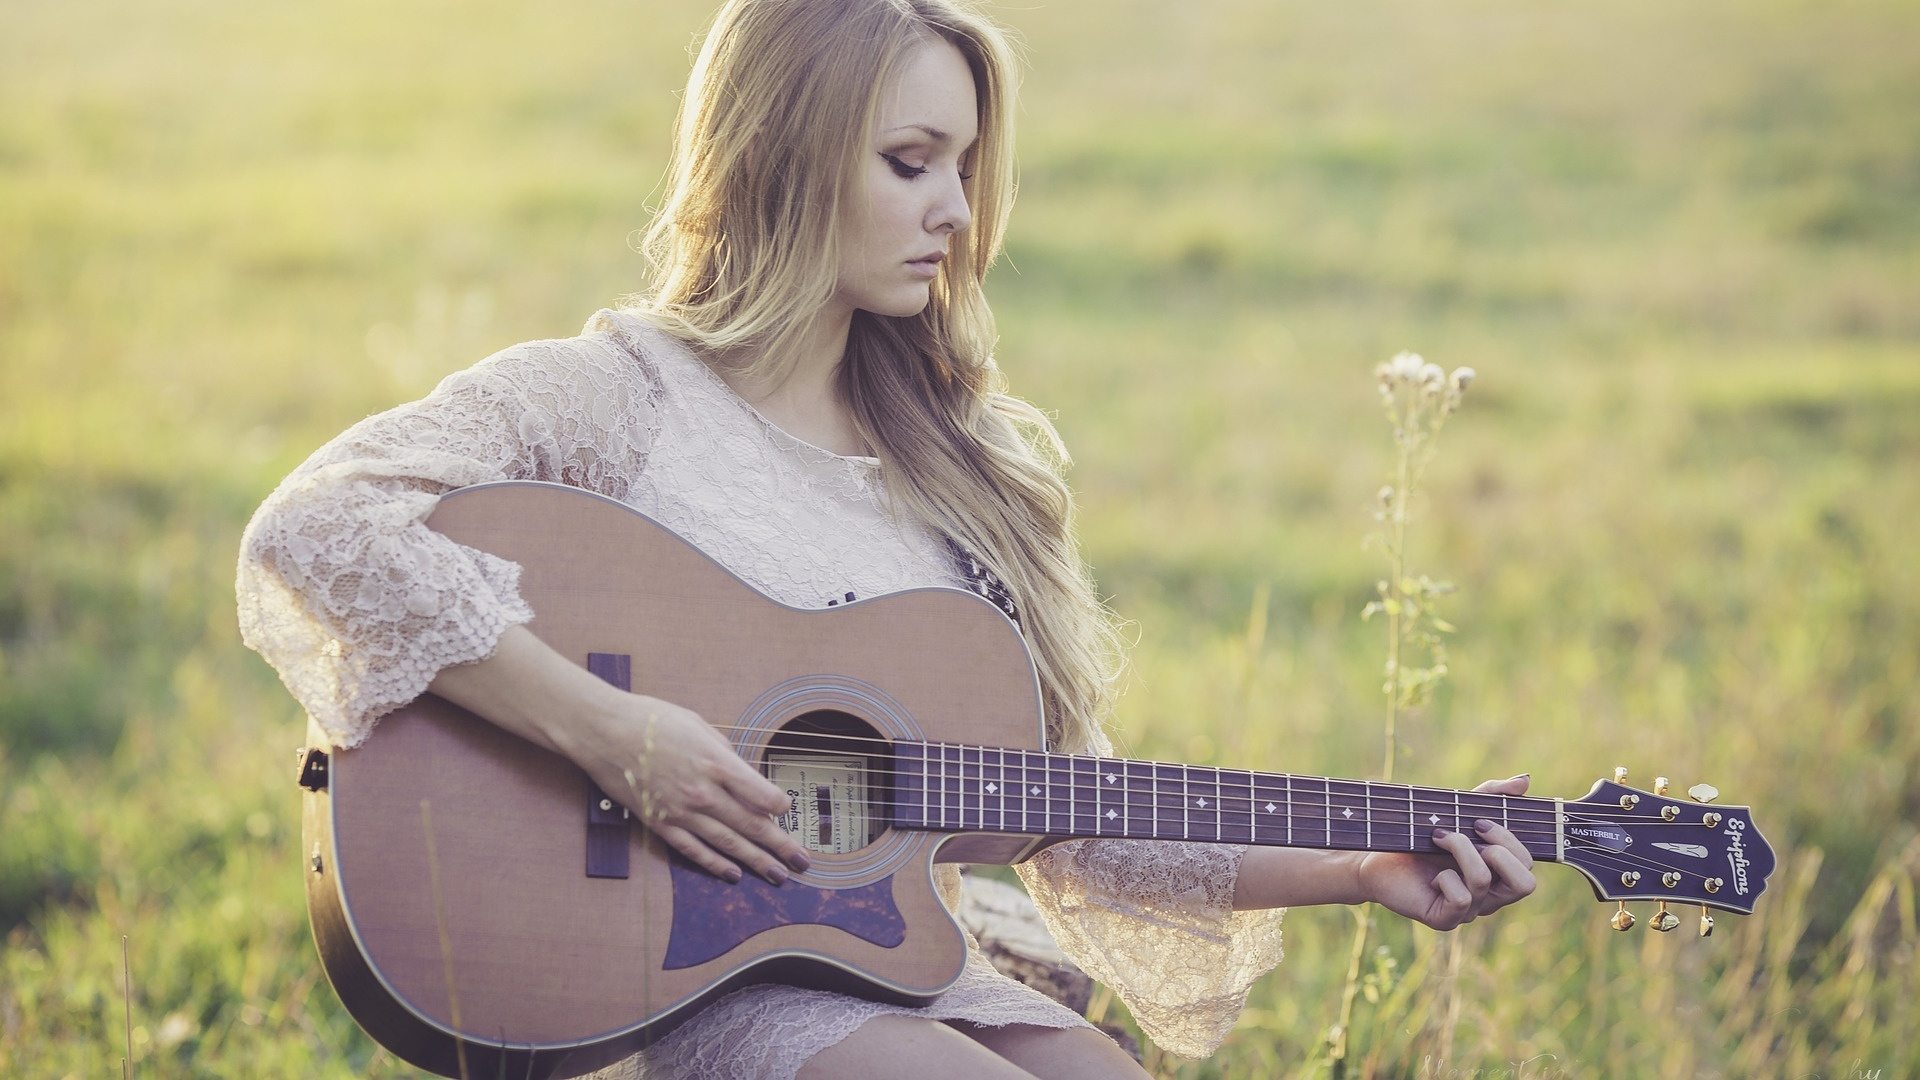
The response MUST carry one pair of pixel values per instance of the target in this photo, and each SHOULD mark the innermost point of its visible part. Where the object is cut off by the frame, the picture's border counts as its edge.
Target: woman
(804, 390)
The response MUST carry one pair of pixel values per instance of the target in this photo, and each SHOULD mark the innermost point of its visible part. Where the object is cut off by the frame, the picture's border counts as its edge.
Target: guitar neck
(947, 787)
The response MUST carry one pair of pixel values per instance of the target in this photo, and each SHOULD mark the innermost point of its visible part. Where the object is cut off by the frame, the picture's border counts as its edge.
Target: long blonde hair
(743, 254)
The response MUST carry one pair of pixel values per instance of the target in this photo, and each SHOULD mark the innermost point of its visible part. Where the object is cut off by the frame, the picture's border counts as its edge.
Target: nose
(950, 212)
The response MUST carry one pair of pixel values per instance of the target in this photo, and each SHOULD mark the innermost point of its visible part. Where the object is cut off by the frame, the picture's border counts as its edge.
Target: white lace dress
(358, 605)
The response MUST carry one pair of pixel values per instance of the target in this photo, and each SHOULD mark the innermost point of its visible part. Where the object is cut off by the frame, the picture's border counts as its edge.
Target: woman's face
(913, 168)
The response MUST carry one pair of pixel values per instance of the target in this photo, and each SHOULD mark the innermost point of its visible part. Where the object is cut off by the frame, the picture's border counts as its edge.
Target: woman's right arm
(660, 760)
(360, 607)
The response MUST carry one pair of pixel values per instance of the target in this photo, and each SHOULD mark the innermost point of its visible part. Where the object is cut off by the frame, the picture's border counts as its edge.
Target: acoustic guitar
(483, 910)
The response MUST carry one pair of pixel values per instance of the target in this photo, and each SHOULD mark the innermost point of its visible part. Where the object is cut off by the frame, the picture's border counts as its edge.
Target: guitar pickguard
(711, 916)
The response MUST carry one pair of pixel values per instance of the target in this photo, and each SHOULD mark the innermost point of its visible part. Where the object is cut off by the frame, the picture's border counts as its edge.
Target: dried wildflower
(1418, 397)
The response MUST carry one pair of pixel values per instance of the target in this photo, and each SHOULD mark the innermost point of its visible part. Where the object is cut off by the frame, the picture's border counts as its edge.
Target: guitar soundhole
(839, 773)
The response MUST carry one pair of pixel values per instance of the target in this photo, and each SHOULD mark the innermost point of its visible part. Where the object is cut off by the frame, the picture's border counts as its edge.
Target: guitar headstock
(1643, 845)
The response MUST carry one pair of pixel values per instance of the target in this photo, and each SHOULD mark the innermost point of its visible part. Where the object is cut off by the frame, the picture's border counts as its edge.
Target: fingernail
(732, 874)
(776, 875)
(1521, 776)
(1439, 835)
(1483, 825)
(798, 861)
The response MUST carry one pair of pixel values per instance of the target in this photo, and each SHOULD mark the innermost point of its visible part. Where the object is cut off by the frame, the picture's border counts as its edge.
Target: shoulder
(615, 357)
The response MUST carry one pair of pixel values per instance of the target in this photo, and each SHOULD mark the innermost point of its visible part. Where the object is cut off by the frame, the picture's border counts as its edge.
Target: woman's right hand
(686, 783)
(661, 761)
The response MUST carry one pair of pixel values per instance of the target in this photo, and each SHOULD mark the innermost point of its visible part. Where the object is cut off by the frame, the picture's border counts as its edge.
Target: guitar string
(1550, 833)
(1618, 859)
(1377, 806)
(1546, 836)
(1441, 796)
(1078, 784)
(1307, 825)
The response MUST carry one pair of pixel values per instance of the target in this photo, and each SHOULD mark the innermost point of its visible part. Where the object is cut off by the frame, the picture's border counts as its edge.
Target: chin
(902, 305)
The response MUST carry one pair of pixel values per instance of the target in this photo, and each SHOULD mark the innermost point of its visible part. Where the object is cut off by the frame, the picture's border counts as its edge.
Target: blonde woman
(805, 390)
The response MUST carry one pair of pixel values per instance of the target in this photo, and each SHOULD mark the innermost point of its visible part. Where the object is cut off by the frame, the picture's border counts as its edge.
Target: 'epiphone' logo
(1737, 854)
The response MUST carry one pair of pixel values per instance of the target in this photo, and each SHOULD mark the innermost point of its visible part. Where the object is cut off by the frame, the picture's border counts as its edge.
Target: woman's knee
(893, 1045)
(1078, 1053)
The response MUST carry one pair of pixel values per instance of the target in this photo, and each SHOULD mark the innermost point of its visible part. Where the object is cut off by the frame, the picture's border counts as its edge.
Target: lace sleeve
(1154, 921)
(356, 603)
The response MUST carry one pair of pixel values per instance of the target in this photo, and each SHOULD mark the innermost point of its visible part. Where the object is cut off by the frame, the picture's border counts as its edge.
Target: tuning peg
(1706, 921)
(1703, 793)
(1619, 774)
(1660, 785)
(1664, 920)
(1622, 919)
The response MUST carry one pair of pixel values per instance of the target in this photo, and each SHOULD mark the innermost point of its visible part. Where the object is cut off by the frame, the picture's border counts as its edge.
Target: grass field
(1678, 242)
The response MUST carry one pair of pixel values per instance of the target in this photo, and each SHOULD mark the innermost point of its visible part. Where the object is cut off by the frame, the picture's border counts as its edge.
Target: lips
(929, 260)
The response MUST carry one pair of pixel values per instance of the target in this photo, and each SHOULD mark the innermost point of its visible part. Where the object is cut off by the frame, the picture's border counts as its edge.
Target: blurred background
(1678, 243)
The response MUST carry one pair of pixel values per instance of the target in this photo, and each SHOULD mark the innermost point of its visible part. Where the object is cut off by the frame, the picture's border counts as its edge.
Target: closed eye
(911, 172)
(906, 171)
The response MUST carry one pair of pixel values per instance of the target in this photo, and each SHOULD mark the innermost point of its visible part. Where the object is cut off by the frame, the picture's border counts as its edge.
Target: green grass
(1678, 243)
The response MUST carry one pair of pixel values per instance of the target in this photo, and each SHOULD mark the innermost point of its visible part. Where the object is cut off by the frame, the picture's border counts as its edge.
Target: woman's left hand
(1459, 883)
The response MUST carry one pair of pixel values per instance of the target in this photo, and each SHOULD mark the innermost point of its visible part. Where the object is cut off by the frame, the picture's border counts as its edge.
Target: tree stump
(1006, 924)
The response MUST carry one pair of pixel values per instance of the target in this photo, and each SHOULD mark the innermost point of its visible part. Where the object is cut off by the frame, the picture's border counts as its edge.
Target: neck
(946, 787)
(804, 377)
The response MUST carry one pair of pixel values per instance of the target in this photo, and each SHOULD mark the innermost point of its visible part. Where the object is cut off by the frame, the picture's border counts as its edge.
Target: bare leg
(892, 1045)
(1058, 1053)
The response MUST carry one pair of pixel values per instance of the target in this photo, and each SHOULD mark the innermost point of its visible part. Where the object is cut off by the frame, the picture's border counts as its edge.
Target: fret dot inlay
(1433, 819)
(1200, 802)
(1111, 778)
(1111, 814)
(1033, 790)
(991, 788)
(1270, 808)
(1347, 813)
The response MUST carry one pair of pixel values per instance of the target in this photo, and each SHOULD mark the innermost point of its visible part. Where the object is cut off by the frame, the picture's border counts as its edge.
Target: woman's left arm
(1442, 889)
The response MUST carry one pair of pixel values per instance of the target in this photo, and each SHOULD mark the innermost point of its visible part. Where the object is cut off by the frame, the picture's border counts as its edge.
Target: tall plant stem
(1362, 913)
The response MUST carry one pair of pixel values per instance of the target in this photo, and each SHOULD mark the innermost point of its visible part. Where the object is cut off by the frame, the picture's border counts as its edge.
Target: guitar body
(487, 944)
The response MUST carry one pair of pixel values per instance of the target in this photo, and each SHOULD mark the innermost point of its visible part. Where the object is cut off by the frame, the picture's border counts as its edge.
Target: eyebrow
(937, 135)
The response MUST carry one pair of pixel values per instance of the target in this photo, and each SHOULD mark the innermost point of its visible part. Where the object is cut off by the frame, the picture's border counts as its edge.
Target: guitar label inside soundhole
(831, 804)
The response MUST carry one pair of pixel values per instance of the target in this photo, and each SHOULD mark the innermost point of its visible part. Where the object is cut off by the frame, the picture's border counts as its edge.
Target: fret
(1084, 791)
(1271, 808)
(936, 768)
(1393, 803)
(1366, 796)
(985, 789)
(1203, 803)
(949, 787)
(1478, 804)
(1236, 807)
(1040, 788)
(1253, 815)
(1186, 821)
(1103, 810)
(1167, 808)
(1059, 793)
(1539, 823)
(1019, 782)
(926, 784)
(1140, 812)
(1153, 793)
(900, 814)
(969, 787)
(1113, 797)
(1033, 786)
(1346, 811)
(997, 788)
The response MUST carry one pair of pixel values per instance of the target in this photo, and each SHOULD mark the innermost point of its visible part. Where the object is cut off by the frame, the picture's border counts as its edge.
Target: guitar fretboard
(947, 787)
